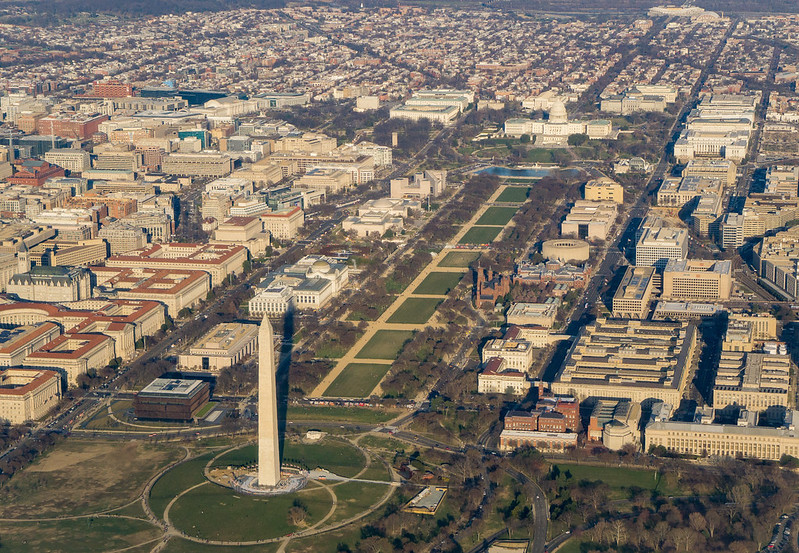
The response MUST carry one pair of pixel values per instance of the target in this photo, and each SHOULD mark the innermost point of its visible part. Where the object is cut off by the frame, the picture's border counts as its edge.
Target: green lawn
(174, 481)
(178, 545)
(218, 513)
(618, 478)
(87, 535)
(415, 311)
(385, 344)
(498, 216)
(357, 380)
(480, 235)
(332, 454)
(571, 546)
(206, 409)
(458, 259)
(515, 194)
(354, 498)
(343, 414)
(439, 284)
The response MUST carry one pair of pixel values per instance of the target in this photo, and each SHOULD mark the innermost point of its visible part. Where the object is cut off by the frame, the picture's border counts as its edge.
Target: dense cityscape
(330, 278)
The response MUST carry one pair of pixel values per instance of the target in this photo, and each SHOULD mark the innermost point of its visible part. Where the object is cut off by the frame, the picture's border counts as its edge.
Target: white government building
(308, 284)
(558, 128)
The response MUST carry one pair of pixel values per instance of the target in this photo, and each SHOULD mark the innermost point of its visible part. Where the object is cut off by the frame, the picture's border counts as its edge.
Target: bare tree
(619, 532)
(697, 522)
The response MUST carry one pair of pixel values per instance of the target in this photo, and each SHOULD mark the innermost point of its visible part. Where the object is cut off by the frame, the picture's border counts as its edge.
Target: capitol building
(558, 128)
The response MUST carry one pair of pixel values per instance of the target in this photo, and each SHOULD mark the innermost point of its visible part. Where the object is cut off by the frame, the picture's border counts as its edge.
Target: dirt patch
(80, 477)
(54, 463)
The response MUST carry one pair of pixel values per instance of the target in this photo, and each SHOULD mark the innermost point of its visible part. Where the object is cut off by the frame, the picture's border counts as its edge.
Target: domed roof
(320, 266)
(557, 113)
(382, 202)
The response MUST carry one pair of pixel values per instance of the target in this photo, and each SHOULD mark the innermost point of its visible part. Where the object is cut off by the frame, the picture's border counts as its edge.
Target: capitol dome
(557, 114)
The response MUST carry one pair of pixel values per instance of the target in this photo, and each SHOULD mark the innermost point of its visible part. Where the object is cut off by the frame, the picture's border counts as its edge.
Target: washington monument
(268, 439)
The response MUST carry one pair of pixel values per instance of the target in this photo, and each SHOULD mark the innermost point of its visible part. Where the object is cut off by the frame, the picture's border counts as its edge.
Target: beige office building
(591, 220)
(73, 354)
(722, 169)
(631, 300)
(27, 395)
(725, 440)
(74, 161)
(697, 279)
(243, 231)
(498, 378)
(604, 190)
(218, 260)
(627, 358)
(223, 346)
(755, 381)
(17, 343)
(776, 259)
(518, 354)
(537, 314)
(175, 288)
(197, 164)
(284, 224)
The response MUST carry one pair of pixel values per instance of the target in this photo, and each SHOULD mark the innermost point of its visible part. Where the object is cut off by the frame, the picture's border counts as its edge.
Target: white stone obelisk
(268, 439)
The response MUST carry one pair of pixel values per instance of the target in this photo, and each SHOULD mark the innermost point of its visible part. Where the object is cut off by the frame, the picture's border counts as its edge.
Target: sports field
(357, 380)
(385, 344)
(415, 311)
(458, 259)
(439, 284)
(514, 194)
(480, 235)
(497, 216)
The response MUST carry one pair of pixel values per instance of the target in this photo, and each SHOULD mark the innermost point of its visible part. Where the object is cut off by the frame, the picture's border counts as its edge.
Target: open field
(355, 497)
(174, 481)
(458, 259)
(619, 479)
(357, 380)
(385, 344)
(178, 545)
(218, 513)
(81, 476)
(332, 454)
(349, 534)
(515, 194)
(415, 311)
(348, 414)
(571, 546)
(480, 235)
(83, 535)
(439, 284)
(497, 216)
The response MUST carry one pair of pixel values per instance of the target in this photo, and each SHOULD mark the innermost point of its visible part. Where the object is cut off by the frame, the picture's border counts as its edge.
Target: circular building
(565, 249)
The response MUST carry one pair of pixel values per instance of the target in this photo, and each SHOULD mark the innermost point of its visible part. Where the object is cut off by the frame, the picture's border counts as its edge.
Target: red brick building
(71, 125)
(111, 89)
(489, 287)
(117, 207)
(34, 172)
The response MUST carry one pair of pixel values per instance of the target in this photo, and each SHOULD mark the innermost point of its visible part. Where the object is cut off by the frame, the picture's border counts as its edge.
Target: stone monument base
(289, 483)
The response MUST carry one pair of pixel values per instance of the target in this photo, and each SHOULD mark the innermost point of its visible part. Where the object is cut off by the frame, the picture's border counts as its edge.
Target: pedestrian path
(382, 322)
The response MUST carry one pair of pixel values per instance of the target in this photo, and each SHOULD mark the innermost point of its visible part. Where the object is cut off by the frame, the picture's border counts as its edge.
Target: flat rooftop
(172, 387)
